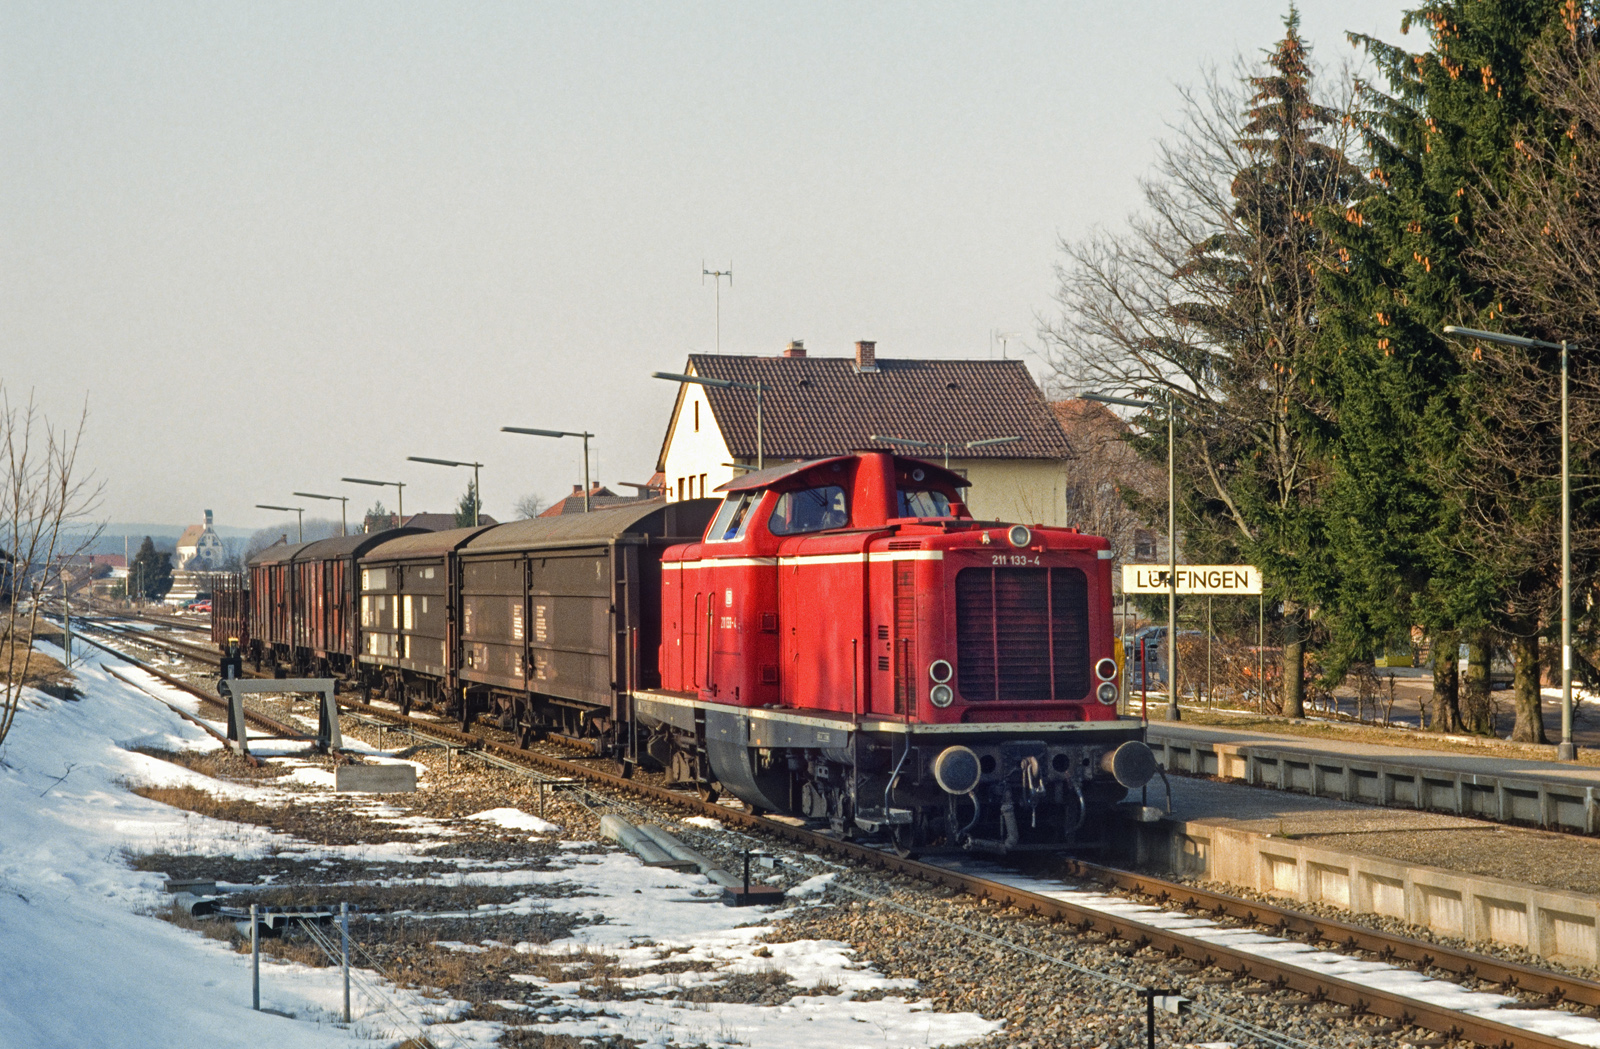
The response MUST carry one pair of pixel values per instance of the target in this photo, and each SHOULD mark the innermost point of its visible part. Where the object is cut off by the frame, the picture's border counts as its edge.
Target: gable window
(696, 416)
(809, 510)
(732, 516)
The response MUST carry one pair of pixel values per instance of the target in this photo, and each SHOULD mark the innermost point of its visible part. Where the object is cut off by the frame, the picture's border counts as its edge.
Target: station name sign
(1192, 579)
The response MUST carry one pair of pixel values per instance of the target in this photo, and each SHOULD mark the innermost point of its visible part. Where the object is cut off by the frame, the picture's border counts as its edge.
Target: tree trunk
(1294, 663)
(1476, 714)
(1525, 683)
(1446, 683)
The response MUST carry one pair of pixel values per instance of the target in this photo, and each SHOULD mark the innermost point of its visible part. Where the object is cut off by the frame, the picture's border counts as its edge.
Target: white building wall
(693, 466)
(1027, 491)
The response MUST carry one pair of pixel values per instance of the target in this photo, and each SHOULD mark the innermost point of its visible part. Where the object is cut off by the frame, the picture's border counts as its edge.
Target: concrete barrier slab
(375, 779)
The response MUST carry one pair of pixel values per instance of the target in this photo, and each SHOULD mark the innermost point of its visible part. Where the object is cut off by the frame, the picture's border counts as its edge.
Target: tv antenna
(717, 275)
(1003, 337)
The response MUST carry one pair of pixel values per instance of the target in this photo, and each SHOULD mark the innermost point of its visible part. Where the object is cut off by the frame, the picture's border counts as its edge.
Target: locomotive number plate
(1015, 560)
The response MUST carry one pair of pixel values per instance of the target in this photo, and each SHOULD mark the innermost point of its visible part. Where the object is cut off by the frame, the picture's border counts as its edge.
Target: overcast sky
(276, 243)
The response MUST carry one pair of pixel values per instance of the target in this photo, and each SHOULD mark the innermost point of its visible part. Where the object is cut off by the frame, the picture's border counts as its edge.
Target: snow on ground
(827, 1015)
(74, 916)
(516, 819)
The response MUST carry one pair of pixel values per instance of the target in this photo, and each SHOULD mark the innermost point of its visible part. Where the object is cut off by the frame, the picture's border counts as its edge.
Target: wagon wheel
(708, 792)
(624, 767)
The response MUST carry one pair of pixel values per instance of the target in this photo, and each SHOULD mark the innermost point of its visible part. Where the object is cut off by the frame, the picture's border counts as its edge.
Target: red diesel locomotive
(843, 642)
(847, 643)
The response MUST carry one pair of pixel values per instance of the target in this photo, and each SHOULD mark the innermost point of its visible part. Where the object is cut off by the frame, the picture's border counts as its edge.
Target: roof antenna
(717, 275)
(1004, 337)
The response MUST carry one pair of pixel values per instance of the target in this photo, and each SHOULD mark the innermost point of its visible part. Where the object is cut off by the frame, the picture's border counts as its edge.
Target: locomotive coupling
(1132, 764)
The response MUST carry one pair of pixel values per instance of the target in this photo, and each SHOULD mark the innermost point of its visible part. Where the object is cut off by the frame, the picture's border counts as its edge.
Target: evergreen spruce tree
(1395, 398)
(150, 575)
(469, 507)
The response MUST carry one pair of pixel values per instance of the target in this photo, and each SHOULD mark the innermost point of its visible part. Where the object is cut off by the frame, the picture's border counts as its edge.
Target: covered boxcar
(408, 626)
(560, 616)
(302, 604)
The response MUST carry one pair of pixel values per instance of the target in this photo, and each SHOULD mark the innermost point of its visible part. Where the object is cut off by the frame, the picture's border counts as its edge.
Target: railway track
(1201, 954)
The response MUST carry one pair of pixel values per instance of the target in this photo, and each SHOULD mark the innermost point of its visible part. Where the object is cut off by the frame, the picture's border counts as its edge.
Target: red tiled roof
(819, 406)
(600, 498)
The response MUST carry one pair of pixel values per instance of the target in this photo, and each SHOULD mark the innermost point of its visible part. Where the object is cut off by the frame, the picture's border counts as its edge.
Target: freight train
(836, 639)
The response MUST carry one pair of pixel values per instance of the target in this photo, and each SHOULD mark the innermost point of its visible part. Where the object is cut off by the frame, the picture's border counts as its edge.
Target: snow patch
(515, 819)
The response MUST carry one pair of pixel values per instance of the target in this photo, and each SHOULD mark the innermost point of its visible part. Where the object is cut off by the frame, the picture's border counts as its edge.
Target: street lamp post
(1567, 750)
(1173, 714)
(477, 491)
(726, 384)
(399, 486)
(300, 519)
(561, 433)
(344, 526)
(985, 443)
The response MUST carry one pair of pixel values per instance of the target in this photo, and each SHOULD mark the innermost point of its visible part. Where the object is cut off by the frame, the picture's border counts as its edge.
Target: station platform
(1455, 876)
(1531, 791)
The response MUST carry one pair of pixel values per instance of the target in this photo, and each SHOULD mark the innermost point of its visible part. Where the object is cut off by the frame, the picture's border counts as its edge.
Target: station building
(820, 406)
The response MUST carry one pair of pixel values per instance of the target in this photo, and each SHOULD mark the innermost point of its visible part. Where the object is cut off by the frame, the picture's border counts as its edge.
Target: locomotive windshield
(732, 516)
(809, 510)
(921, 502)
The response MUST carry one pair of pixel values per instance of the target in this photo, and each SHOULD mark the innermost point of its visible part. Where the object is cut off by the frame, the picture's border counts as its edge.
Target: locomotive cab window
(809, 510)
(922, 502)
(732, 516)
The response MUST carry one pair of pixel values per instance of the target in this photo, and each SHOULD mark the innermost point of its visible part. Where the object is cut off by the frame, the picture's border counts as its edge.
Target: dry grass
(193, 799)
(216, 764)
(43, 673)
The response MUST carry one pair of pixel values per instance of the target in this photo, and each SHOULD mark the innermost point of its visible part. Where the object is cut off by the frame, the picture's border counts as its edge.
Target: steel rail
(277, 727)
(1558, 987)
(1318, 987)
(1359, 998)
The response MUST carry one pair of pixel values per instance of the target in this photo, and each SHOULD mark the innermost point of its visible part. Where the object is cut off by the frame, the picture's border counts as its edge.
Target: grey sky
(280, 243)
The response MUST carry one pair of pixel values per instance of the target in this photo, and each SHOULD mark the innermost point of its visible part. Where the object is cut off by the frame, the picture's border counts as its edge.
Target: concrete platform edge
(1550, 923)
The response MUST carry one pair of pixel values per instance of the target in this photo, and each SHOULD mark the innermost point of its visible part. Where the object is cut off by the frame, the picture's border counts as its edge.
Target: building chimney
(866, 356)
(577, 489)
(796, 348)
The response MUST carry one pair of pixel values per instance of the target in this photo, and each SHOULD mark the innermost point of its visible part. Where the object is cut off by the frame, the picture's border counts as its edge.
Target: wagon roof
(351, 545)
(686, 519)
(279, 552)
(422, 544)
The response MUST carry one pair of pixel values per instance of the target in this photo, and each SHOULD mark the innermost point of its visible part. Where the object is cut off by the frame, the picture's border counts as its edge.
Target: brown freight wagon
(541, 625)
(560, 616)
(230, 611)
(406, 618)
(302, 603)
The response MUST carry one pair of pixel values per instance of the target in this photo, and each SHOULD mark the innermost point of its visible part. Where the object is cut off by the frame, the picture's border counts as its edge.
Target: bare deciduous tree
(1207, 304)
(530, 506)
(42, 498)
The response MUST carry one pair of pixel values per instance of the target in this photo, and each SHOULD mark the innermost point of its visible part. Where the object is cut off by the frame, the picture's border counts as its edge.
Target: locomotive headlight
(1106, 669)
(1019, 535)
(941, 696)
(940, 670)
(1106, 693)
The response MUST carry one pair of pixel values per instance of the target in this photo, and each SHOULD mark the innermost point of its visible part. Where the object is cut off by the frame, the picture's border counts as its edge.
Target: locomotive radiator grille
(1022, 634)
